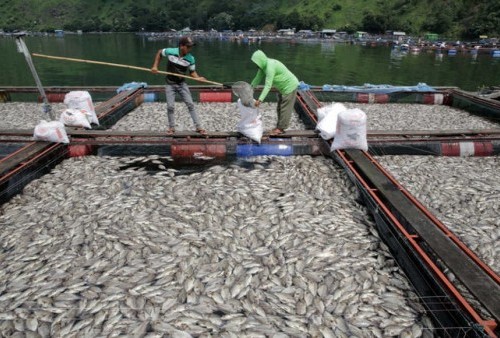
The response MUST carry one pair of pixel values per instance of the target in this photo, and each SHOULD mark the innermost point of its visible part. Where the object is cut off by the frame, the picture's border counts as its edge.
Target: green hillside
(459, 18)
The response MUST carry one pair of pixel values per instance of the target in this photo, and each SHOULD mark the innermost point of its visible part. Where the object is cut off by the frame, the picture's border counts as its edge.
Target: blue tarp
(303, 86)
(132, 86)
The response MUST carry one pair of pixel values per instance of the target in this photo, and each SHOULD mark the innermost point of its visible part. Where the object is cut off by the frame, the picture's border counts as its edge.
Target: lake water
(315, 63)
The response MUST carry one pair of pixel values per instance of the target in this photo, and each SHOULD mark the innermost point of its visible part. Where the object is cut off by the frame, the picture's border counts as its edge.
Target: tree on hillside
(221, 21)
(374, 23)
(469, 17)
(437, 23)
(489, 23)
(299, 21)
(291, 20)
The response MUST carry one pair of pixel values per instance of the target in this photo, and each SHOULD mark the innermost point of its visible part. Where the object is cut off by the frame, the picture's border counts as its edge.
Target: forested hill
(457, 18)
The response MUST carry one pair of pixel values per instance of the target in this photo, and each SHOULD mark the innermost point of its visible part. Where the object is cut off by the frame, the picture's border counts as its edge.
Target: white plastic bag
(75, 118)
(351, 130)
(250, 123)
(52, 131)
(327, 119)
(323, 111)
(83, 101)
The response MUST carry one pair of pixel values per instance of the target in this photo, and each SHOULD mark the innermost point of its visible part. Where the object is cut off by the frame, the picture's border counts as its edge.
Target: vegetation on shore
(453, 18)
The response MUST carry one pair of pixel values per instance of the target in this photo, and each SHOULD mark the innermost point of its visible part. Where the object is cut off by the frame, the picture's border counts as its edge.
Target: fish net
(245, 92)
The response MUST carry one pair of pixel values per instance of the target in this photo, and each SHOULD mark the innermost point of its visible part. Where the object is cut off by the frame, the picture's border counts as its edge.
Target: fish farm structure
(264, 287)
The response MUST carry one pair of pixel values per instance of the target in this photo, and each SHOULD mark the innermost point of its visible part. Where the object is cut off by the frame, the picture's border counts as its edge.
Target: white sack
(327, 119)
(52, 131)
(334, 107)
(75, 118)
(351, 130)
(83, 101)
(250, 123)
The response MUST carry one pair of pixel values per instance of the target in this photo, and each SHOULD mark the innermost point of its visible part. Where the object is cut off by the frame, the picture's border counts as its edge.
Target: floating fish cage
(438, 265)
(396, 97)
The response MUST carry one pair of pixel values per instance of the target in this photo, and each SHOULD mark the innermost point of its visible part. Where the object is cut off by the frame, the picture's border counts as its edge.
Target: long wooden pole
(123, 66)
(24, 49)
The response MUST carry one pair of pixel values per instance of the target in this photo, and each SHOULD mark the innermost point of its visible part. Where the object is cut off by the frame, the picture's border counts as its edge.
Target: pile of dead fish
(264, 247)
(464, 194)
(225, 116)
(267, 247)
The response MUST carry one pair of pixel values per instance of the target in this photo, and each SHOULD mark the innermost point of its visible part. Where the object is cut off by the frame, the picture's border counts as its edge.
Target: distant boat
(59, 33)
(415, 49)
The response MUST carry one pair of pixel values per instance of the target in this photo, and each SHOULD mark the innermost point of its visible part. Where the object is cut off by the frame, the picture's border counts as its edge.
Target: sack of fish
(52, 131)
(83, 101)
(347, 127)
(327, 119)
(351, 130)
(250, 123)
(75, 118)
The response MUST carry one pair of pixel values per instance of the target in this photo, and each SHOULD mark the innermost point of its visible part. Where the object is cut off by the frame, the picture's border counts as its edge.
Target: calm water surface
(314, 63)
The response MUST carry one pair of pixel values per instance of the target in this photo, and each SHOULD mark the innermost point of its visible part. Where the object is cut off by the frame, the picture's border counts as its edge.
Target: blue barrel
(150, 97)
(452, 52)
(495, 53)
(246, 150)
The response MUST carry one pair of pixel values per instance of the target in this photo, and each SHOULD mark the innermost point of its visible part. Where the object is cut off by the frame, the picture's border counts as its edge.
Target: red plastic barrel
(372, 98)
(215, 97)
(483, 149)
(433, 98)
(467, 149)
(198, 151)
(450, 149)
(53, 97)
(78, 150)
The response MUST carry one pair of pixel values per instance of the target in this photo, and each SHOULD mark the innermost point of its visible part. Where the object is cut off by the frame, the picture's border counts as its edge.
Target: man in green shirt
(179, 61)
(276, 74)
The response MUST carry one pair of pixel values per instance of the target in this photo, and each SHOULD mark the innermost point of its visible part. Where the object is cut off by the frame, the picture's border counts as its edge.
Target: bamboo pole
(123, 66)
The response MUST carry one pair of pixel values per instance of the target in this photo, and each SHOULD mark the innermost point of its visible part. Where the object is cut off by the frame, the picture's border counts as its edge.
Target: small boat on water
(415, 49)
